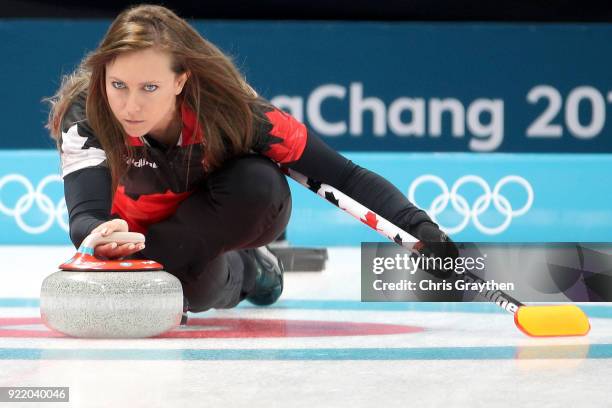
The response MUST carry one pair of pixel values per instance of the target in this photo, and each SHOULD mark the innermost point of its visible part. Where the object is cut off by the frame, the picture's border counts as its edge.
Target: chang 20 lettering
(551, 116)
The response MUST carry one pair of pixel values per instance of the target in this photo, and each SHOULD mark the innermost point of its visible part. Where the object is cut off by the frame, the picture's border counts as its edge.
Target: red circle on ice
(229, 328)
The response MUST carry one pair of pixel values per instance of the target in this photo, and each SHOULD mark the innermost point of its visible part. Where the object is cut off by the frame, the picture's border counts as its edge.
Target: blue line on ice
(595, 351)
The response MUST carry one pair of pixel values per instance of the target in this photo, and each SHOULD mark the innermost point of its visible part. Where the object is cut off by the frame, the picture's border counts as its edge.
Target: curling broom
(534, 320)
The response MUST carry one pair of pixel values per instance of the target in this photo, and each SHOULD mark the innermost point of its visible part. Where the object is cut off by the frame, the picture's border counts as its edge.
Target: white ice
(542, 372)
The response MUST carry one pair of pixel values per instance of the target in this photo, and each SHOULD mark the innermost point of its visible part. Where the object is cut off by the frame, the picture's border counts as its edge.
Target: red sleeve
(283, 138)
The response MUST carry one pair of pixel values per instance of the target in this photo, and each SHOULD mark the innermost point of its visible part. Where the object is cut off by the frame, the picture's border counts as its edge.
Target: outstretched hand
(434, 243)
(113, 250)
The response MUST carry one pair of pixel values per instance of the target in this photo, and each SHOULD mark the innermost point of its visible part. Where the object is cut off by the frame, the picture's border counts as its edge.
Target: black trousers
(244, 204)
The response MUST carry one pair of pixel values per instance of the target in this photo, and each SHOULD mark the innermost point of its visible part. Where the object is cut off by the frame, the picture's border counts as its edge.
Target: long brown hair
(223, 102)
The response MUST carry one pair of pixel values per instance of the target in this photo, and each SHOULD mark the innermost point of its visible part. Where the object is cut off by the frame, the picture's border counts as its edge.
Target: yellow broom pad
(545, 321)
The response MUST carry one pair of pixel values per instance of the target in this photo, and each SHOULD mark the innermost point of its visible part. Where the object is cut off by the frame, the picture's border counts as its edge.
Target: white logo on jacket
(141, 163)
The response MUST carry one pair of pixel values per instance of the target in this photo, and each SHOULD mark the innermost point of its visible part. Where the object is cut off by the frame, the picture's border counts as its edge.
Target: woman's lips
(133, 122)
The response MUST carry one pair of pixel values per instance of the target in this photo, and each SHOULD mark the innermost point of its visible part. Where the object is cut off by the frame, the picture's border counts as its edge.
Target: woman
(159, 133)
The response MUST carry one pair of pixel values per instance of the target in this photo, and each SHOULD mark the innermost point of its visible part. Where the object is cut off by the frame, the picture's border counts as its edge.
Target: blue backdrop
(481, 91)
(474, 197)
(370, 86)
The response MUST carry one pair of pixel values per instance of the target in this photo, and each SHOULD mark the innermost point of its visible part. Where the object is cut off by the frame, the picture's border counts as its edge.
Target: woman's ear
(181, 80)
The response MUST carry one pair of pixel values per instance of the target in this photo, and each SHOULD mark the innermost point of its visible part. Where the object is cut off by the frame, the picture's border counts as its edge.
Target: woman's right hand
(113, 250)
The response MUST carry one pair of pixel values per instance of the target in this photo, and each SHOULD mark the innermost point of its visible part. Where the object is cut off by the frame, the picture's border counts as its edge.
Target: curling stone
(93, 298)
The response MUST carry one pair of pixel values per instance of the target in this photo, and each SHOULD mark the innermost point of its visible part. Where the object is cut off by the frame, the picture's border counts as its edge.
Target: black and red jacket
(160, 177)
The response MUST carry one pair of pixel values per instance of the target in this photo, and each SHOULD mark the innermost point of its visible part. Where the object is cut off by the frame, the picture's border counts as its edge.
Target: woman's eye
(150, 87)
(118, 85)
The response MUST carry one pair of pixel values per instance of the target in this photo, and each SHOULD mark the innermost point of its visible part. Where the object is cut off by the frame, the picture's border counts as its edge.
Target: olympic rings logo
(460, 204)
(35, 197)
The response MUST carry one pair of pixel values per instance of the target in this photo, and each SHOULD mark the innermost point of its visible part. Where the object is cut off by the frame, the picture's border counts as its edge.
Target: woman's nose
(132, 104)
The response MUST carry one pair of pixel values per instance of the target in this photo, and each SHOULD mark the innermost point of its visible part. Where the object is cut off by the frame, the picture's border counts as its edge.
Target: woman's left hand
(433, 242)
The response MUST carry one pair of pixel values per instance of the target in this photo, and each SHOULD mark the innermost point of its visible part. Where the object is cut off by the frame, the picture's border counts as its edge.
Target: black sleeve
(88, 199)
(324, 164)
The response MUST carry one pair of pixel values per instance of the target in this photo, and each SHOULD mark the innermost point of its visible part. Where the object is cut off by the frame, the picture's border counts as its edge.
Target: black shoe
(269, 277)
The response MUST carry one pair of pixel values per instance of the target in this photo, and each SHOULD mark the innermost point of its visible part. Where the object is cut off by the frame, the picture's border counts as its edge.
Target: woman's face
(142, 90)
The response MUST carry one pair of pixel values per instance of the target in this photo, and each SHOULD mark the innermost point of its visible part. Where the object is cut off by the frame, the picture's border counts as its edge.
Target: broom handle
(388, 230)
